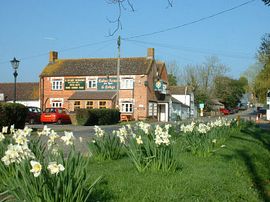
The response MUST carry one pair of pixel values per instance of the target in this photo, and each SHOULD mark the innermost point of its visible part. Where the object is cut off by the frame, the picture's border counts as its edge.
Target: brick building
(92, 83)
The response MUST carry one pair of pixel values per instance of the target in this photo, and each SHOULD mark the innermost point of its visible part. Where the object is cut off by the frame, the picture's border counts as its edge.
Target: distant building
(26, 93)
(185, 95)
(92, 83)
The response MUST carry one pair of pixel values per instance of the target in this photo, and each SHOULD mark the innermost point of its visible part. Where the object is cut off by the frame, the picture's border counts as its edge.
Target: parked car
(55, 115)
(33, 115)
(224, 111)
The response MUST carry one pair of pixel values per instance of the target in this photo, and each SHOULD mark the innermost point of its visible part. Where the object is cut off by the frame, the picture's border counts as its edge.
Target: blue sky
(79, 29)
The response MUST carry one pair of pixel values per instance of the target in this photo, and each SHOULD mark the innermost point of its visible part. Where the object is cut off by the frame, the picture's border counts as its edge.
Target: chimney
(53, 56)
(151, 53)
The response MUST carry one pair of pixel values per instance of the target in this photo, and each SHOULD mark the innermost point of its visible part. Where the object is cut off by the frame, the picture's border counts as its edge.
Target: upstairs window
(126, 83)
(57, 84)
(92, 83)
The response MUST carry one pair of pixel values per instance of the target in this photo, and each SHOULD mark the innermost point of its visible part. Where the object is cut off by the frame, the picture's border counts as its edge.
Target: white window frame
(127, 83)
(57, 102)
(127, 107)
(152, 109)
(57, 84)
(93, 83)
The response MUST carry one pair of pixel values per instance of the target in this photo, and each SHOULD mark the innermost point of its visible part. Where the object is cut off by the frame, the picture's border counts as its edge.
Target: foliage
(30, 171)
(90, 117)
(12, 114)
(229, 91)
(172, 80)
(262, 81)
(105, 146)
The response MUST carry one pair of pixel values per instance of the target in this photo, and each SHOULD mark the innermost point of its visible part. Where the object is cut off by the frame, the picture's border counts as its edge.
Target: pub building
(92, 83)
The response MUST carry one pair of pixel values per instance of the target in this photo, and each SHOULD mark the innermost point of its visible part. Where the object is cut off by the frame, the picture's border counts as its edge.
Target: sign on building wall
(74, 84)
(160, 86)
(107, 83)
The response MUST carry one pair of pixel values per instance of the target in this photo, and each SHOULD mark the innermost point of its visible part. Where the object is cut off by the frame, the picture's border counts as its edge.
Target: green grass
(238, 172)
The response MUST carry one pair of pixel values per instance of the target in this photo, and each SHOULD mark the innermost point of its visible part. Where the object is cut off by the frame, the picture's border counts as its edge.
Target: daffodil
(5, 129)
(36, 168)
(55, 168)
(68, 138)
(139, 140)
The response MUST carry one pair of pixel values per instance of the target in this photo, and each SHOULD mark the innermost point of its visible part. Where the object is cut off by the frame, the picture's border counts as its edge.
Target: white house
(185, 95)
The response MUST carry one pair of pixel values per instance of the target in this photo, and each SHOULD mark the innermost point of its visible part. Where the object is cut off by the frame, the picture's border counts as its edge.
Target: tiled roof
(97, 67)
(179, 90)
(92, 95)
(24, 91)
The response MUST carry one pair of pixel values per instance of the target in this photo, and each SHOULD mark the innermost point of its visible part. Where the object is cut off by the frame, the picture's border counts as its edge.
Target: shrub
(90, 117)
(12, 114)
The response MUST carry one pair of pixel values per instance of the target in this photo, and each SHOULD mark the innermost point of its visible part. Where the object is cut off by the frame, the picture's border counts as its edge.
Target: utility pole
(118, 72)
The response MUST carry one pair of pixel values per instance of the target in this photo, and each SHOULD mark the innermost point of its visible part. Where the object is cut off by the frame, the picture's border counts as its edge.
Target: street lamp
(15, 66)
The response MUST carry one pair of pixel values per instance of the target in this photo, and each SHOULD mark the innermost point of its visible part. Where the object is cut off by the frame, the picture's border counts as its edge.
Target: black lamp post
(15, 66)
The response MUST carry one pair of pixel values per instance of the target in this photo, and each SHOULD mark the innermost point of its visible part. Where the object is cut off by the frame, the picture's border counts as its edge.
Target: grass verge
(237, 172)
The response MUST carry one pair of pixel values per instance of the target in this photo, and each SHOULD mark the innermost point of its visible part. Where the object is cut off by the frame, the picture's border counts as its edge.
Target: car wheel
(59, 121)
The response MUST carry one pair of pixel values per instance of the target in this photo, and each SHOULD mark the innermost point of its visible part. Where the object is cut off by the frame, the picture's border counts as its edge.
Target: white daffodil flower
(36, 168)
(5, 129)
(55, 168)
(68, 138)
(139, 140)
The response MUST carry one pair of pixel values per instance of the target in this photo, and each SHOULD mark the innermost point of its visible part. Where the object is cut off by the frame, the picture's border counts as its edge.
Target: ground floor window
(89, 105)
(152, 109)
(102, 104)
(57, 104)
(127, 107)
(77, 105)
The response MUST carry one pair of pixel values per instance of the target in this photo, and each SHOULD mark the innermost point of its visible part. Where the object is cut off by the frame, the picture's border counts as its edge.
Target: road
(85, 133)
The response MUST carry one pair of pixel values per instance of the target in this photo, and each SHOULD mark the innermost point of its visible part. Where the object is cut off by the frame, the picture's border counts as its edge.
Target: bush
(13, 113)
(90, 117)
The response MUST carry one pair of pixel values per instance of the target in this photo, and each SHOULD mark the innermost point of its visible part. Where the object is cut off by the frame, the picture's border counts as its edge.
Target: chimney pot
(150, 53)
(53, 56)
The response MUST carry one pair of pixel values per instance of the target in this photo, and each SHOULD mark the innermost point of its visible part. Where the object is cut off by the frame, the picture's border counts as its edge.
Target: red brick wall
(143, 92)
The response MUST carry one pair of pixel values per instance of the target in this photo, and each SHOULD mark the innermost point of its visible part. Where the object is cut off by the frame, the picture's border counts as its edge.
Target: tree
(172, 80)
(172, 68)
(229, 91)
(266, 2)
(262, 80)
(123, 5)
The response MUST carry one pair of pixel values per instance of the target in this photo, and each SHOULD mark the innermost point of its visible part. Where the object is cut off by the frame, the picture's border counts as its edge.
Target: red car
(55, 115)
(224, 111)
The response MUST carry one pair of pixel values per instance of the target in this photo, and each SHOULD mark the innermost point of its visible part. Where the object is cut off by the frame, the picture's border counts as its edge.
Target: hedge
(90, 117)
(12, 113)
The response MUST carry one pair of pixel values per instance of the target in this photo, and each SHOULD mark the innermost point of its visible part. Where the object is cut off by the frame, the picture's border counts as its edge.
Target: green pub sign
(107, 83)
(74, 84)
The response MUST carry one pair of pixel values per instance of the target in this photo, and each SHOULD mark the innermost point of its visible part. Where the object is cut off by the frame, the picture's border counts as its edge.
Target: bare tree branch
(121, 6)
